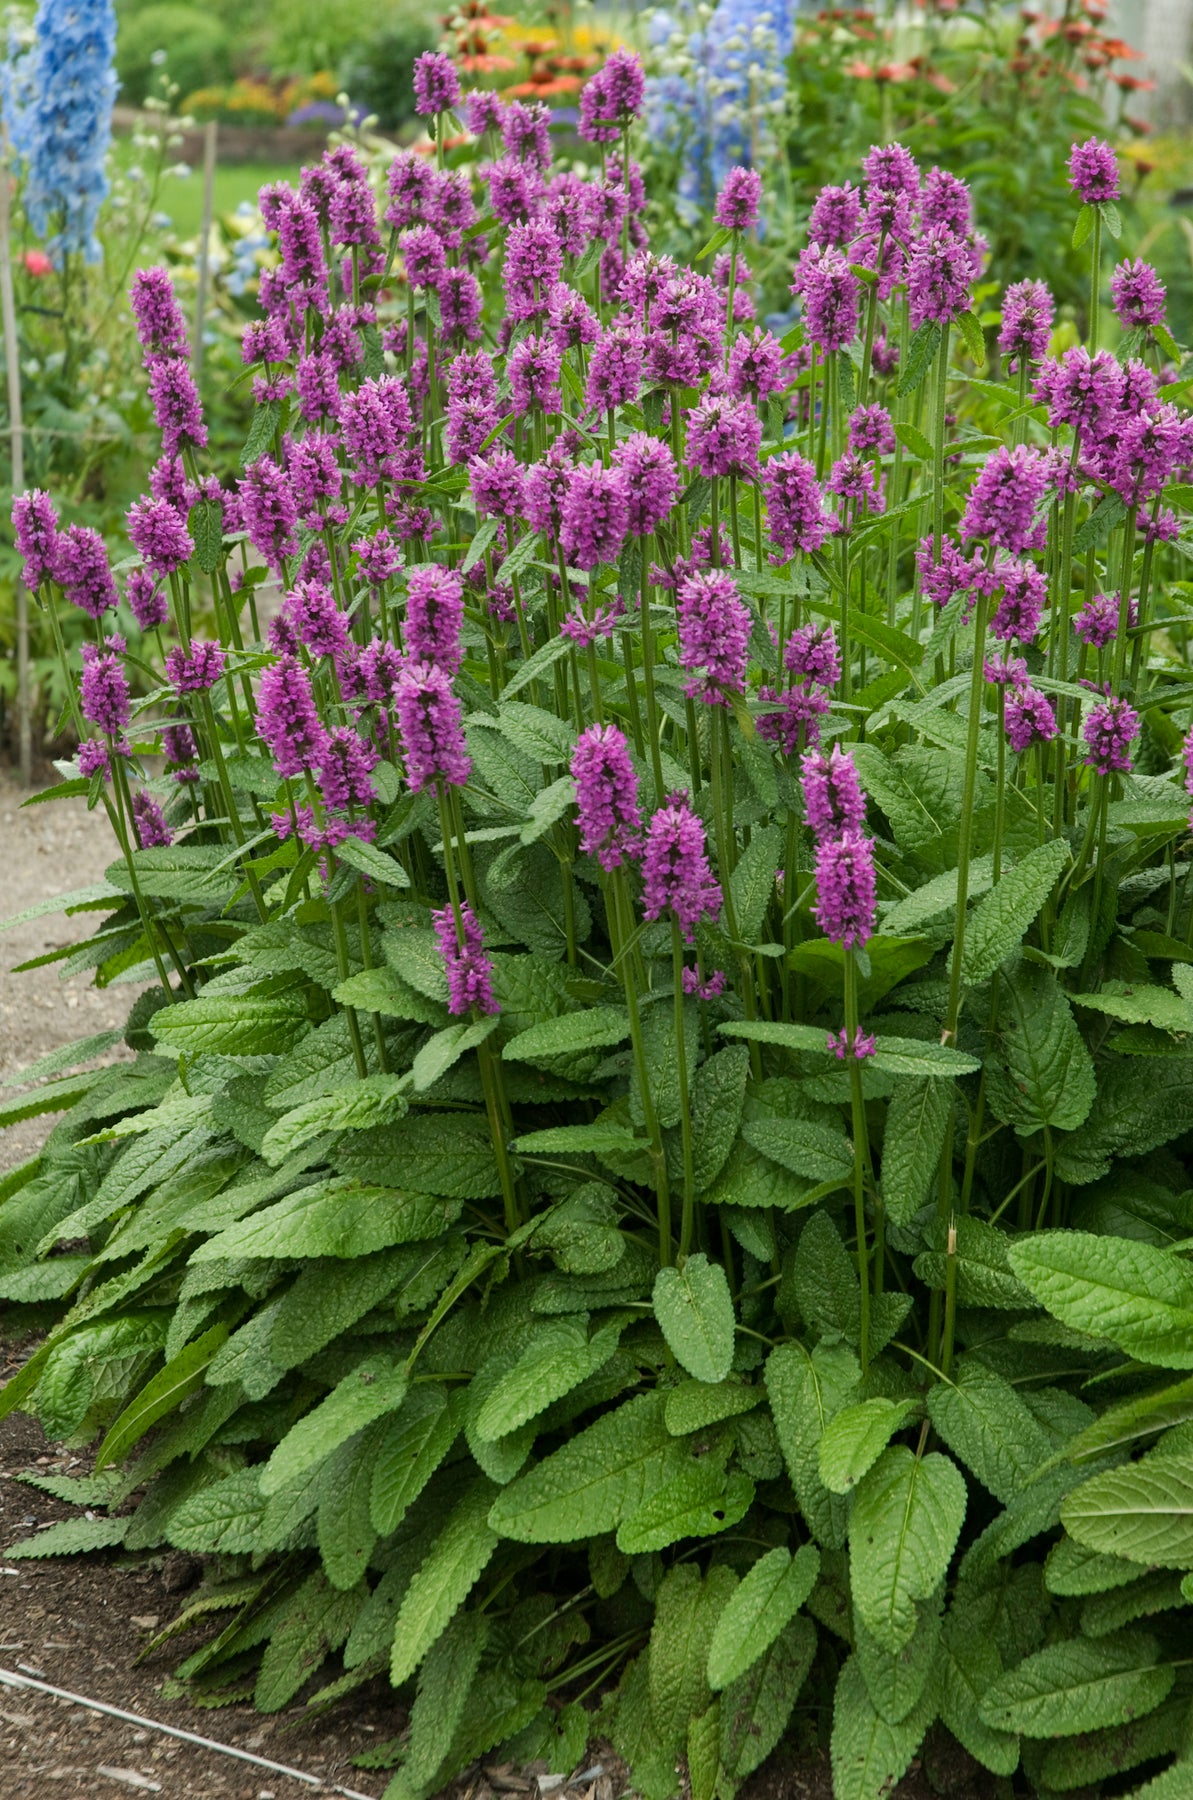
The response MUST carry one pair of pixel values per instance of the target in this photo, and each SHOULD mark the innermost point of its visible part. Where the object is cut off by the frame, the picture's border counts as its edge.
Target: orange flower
(861, 70)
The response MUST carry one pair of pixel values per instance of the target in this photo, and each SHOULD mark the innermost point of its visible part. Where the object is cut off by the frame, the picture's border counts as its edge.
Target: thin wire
(9, 1679)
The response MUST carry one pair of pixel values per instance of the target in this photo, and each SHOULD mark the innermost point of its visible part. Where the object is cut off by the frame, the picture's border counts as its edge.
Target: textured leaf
(233, 1024)
(1076, 1762)
(598, 1027)
(999, 922)
(1134, 1114)
(907, 1516)
(373, 1389)
(767, 1598)
(806, 1389)
(1142, 1416)
(447, 1047)
(317, 1619)
(445, 1688)
(445, 1579)
(855, 1439)
(698, 1502)
(695, 1310)
(354, 1107)
(334, 1218)
(1138, 1296)
(753, 880)
(971, 1666)
(695, 1405)
(1045, 1075)
(687, 1608)
(596, 1480)
(328, 1298)
(168, 1389)
(70, 1537)
(984, 1276)
(1140, 1003)
(917, 1119)
(910, 1056)
(344, 1529)
(755, 1709)
(558, 1358)
(410, 1449)
(1143, 1511)
(1079, 1685)
(223, 1516)
(803, 1147)
(990, 1429)
(718, 1094)
(869, 1755)
(901, 1680)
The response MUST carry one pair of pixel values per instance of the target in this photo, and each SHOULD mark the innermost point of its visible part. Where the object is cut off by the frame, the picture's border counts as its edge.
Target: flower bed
(651, 1197)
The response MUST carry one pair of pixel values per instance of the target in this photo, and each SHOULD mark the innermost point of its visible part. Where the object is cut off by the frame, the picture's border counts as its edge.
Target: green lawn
(182, 196)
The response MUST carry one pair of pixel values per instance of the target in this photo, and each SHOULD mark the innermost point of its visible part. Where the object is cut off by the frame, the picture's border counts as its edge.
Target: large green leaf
(445, 1579)
(770, 1594)
(182, 1375)
(699, 1502)
(986, 1423)
(687, 1607)
(806, 1389)
(1045, 1074)
(1138, 1296)
(855, 1439)
(999, 923)
(695, 1310)
(353, 1107)
(373, 1389)
(756, 1707)
(1143, 1511)
(412, 1446)
(233, 1024)
(869, 1754)
(802, 1146)
(333, 1218)
(916, 1121)
(907, 1517)
(596, 1480)
(558, 1357)
(718, 1094)
(1079, 1685)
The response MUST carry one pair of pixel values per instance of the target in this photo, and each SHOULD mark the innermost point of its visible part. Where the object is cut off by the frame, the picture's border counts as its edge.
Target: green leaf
(233, 1024)
(910, 1056)
(694, 1405)
(701, 1501)
(168, 1389)
(1084, 225)
(577, 1139)
(916, 1122)
(1079, 1685)
(975, 337)
(1045, 1074)
(410, 1449)
(1076, 1762)
(598, 1027)
(539, 734)
(1140, 1003)
(971, 1665)
(354, 1107)
(802, 1146)
(330, 1295)
(907, 1517)
(855, 1439)
(265, 420)
(756, 1708)
(983, 1271)
(385, 991)
(687, 1608)
(558, 1358)
(447, 1047)
(1142, 1512)
(869, 1755)
(224, 1516)
(596, 1480)
(1109, 512)
(990, 1428)
(444, 1689)
(806, 1389)
(921, 354)
(718, 1097)
(376, 1387)
(344, 1529)
(914, 439)
(999, 922)
(1138, 1296)
(445, 1579)
(1111, 218)
(372, 862)
(753, 880)
(332, 1218)
(694, 1308)
(317, 1619)
(69, 1537)
(761, 1606)
(1142, 1416)
(206, 525)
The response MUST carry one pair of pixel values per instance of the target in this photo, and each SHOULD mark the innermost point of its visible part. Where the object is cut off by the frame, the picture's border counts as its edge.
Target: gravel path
(44, 850)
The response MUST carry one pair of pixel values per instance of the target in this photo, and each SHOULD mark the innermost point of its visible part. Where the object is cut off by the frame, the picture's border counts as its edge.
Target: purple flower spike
(651, 485)
(1109, 732)
(149, 822)
(435, 616)
(270, 511)
(794, 505)
(606, 796)
(160, 535)
(939, 274)
(103, 689)
(846, 888)
(1097, 623)
(469, 970)
(831, 294)
(147, 599)
(498, 483)
(1029, 718)
(833, 797)
(1138, 295)
(35, 524)
(288, 719)
(594, 517)
(1006, 497)
(1093, 172)
(1027, 314)
(83, 571)
(835, 216)
(675, 871)
(161, 327)
(724, 437)
(429, 724)
(436, 84)
(175, 401)
(739, 200)
(714, 632)
(196, 673)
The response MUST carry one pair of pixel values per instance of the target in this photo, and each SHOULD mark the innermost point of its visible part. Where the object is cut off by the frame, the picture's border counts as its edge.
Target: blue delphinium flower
(58, 96)
(719, 87)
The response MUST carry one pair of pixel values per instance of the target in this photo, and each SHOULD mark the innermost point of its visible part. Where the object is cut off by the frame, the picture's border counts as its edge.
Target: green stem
(965, 827)
(860, 1146)
(688, 1213)
(1095, 281)
(621, 911)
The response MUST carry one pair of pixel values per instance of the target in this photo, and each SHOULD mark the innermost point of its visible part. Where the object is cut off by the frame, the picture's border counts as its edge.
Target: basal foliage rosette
(651, 1187)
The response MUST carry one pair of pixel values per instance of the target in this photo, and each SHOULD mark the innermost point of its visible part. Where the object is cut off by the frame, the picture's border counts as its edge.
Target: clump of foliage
(653, 1184)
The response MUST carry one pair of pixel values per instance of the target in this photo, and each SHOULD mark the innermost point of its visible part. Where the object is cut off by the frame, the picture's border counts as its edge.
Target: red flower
(37, 263)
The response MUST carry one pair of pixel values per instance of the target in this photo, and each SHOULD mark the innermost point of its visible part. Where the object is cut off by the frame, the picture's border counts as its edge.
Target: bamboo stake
(210, 133)
(16, 428)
